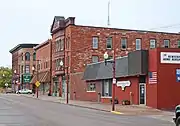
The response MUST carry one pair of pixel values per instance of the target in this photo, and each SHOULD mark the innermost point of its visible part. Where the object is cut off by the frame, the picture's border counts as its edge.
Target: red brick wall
(168, 88)
(125, 95)
(81, 43)
(151, 89)
(43, 54)
(80, 87)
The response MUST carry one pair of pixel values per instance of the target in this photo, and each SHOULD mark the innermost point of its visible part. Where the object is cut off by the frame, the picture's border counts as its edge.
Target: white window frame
(95, 42)
(166, 40)
(109, 41)
(152, 43)
(27, 70)
(123, 42)
(106, 89)
(95, 59)
(90, 89)
(138, 44)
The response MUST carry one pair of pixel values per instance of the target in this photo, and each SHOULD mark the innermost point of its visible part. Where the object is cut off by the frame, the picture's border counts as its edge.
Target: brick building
(78, 46)
(43, 66)
(144, 77)
(23, 58)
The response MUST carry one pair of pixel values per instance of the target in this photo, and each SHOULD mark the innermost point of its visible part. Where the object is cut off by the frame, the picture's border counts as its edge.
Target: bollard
(131, 101)
(74, 95)
(99, 97)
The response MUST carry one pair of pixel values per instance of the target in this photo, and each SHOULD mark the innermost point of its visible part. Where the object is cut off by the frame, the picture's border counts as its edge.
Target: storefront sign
(170, 57)
(178, 75)
(123, 84)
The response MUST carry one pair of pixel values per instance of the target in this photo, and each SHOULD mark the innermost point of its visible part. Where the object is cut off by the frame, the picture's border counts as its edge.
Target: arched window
(27, 56)
(34, 56)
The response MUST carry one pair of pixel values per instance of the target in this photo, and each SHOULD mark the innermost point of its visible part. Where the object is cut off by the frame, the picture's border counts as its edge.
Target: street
(22, 111)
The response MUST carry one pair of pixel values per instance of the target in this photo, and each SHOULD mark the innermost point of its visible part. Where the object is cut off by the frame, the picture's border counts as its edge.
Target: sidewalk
(126, 110)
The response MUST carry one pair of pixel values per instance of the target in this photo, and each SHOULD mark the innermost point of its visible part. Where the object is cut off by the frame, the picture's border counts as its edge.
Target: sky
(29, 21)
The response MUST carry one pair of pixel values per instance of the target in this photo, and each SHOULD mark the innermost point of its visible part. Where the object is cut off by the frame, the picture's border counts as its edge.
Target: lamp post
(16, 81)
(114, 75)
(37, 74)
(67, 80)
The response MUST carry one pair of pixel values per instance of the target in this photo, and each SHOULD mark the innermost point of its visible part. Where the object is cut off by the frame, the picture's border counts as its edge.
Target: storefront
(149, 78)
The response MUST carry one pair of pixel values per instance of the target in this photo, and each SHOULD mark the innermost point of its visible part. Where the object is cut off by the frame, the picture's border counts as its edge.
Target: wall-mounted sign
(170, 57)
(178, 75)
(123, 84)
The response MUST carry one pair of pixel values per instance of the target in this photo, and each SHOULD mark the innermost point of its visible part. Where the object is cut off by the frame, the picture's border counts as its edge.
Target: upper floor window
(152, 43)
(27, 56)
(166, 43)
(27, 69)
(109, 43)
(95, 59)
(34, 56)
(178, 43)
(22, 57)
(123, 43)
(138, 44)
(62, 44)
(95, 42)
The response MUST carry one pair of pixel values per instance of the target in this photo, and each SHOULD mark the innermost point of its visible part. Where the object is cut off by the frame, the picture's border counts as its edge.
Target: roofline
(134, 30)
(42, 44)
(23, 45)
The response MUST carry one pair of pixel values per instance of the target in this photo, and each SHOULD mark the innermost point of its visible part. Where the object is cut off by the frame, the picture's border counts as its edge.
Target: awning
(42, 77)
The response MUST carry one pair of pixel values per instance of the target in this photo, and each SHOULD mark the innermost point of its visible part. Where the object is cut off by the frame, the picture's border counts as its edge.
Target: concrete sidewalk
(127, 110)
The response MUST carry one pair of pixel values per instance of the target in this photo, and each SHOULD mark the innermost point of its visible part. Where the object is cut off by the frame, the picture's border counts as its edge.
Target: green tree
(5, 76)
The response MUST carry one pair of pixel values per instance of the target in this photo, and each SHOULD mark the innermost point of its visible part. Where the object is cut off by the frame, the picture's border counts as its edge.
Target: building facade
(23, 58)
(78, 46)
(43, 67)
(145, 77)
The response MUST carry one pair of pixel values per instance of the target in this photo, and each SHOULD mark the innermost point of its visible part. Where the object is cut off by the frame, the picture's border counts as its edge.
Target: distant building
(43, 66)
(23, 58)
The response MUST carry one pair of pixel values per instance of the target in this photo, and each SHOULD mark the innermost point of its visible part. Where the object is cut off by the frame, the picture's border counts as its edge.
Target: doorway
(142, 94)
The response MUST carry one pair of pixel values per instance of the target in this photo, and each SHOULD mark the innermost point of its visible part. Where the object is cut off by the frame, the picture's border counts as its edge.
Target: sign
(170, 57)
(26, 78)
(37, 83)
(114, 80)
(6, 84)
(123, 84)
(178, 75)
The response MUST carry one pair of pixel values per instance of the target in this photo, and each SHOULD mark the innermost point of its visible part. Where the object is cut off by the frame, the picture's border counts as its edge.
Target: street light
(37, 88)
(67, 88)
(114, 74)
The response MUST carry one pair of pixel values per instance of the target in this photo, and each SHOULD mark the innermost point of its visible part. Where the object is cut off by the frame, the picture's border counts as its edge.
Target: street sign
(178, 75)
(6, 84)
(37, 83)
(26, 78)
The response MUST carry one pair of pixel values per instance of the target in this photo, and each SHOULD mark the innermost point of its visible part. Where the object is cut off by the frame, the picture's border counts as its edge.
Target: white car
(24, 91)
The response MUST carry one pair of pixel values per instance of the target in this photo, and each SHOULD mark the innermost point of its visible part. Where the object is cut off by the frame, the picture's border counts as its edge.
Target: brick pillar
(60, 86)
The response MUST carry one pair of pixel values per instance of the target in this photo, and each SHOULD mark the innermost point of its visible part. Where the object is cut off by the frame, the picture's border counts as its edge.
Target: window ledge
(106, 97)
(90, 91)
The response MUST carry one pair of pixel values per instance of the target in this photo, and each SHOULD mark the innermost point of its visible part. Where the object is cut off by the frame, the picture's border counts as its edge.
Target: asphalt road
(23, 111)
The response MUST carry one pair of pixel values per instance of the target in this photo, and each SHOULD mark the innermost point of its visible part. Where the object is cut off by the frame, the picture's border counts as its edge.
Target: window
(34, 56)
(22, 69)
(91, 87)
(62, 44)
(178, 43)
(166, 43)
(152, 43)
(22, 57)
(95, 42)
(123, 43)
(38, 66)
(67, 43)
(109, 43)
(95, 59)
(107, 88)
(138, 44)
(27, 56)
(27, 69)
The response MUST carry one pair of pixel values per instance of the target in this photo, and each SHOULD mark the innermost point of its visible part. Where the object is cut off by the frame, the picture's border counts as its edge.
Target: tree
(5, 76)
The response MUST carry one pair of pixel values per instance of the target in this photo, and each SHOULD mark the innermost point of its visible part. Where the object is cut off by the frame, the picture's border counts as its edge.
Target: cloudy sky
(28, 21)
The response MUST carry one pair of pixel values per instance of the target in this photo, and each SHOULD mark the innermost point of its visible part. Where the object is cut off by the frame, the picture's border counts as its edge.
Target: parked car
(177, 115)
(24, 91)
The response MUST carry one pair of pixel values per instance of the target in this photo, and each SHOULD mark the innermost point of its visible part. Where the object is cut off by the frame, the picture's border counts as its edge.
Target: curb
(80, 106)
